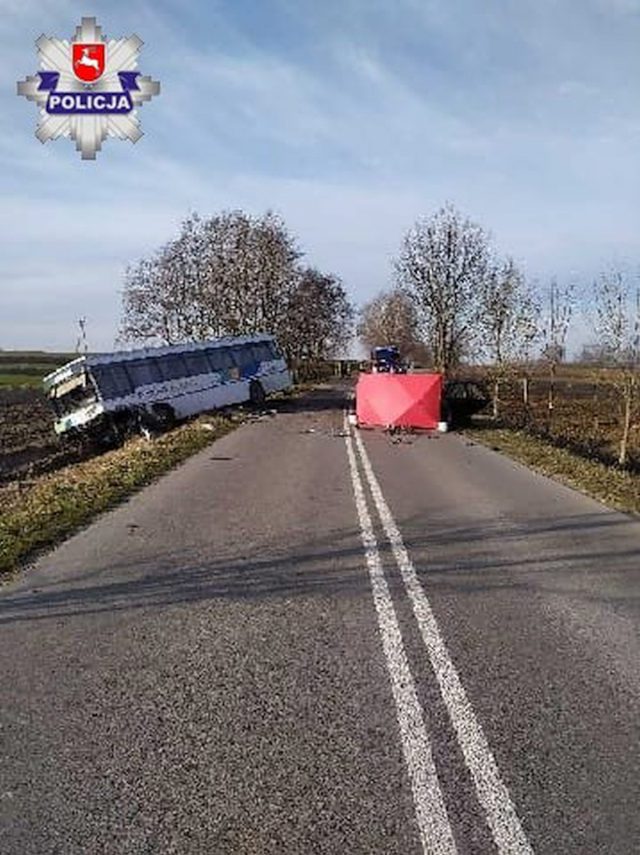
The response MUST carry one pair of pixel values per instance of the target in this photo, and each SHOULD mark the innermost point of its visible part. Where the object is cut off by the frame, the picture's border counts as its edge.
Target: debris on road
(333, 432)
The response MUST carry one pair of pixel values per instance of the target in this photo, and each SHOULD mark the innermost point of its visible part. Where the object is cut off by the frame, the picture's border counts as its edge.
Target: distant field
(20, 381)
(586, 416)
(20, 369)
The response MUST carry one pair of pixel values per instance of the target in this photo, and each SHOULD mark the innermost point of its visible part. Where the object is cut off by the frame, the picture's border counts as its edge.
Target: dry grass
(614, 487)
(587, 415)
(37, 514)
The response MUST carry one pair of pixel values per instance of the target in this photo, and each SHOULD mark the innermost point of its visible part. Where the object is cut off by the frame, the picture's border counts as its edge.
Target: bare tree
(443, 264)
(320, 317)
(275, 258)
(170, 296)
(148, 310)
(228, 275)
(617, 317)
(508, 322)
(234, 274)
(555, 321)
(391, 318)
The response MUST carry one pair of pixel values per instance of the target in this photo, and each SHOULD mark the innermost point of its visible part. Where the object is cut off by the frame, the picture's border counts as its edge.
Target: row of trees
(454, 299)
(235, 274)
(455, 296)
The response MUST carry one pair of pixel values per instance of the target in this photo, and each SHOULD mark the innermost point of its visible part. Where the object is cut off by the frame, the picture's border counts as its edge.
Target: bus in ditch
(107, 396)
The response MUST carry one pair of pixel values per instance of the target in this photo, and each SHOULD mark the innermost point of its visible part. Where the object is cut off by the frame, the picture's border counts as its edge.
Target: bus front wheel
(257, 395)
(164, 415)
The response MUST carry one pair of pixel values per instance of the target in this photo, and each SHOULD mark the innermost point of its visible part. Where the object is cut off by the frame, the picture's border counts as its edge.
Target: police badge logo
(89, 88)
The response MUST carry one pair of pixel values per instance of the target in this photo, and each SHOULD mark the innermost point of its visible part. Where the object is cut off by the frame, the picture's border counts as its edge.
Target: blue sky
(351, 118)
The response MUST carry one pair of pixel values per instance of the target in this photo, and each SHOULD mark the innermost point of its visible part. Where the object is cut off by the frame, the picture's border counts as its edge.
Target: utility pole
(82, 345)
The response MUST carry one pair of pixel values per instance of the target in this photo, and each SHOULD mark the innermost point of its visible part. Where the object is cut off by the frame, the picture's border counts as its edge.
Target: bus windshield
(72, 394)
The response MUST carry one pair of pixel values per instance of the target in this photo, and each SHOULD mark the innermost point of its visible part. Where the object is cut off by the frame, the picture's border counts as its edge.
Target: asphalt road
(303, 641)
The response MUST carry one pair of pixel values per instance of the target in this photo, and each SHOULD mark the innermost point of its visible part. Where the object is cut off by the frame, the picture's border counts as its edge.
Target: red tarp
(399, 400)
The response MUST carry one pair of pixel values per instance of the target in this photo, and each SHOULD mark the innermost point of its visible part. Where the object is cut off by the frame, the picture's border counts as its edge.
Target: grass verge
(20, 381)
(38, 514)
(614, 487)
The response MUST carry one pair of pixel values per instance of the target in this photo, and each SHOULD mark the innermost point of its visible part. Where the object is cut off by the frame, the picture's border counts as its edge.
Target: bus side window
(220, 359)
(226, 357)
(113, 380)
(274, 350)
(197, 362)
(144, 372)
(242, 356)
(213, 360)
(262, 352)
(172, 366)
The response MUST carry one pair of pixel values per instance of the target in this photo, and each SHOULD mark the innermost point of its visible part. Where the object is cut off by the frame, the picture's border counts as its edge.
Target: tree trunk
(496, 398)
(626, 425)
(551, 396)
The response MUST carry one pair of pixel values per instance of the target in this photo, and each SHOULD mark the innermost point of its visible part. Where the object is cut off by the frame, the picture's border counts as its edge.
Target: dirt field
(586, 416)
(28, 445)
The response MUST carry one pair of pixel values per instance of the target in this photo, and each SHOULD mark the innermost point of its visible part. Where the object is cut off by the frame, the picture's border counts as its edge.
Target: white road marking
(431, 813)
(492, 793)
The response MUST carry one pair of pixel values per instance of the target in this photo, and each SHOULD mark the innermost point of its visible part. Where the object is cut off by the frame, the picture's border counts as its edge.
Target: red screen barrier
(399, 400)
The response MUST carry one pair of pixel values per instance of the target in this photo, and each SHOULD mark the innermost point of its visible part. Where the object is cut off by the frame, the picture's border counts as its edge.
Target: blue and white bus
(109, 395)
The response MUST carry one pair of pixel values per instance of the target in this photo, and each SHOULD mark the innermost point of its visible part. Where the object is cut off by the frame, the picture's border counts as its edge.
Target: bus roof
(76, 366)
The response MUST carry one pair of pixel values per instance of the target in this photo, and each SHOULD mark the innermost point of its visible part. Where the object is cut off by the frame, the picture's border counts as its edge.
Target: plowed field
(28, 445)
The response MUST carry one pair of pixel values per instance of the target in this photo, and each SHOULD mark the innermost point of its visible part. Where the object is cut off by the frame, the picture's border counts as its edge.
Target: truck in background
(387, 360)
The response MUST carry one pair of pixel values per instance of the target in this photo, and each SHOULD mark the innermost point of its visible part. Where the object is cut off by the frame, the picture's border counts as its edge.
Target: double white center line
(433, 822)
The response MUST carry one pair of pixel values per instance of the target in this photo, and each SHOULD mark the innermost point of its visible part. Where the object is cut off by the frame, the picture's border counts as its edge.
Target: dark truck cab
(386, 360)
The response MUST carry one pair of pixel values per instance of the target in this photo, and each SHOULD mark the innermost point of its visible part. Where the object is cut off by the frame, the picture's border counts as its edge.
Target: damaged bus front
(74, 399)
